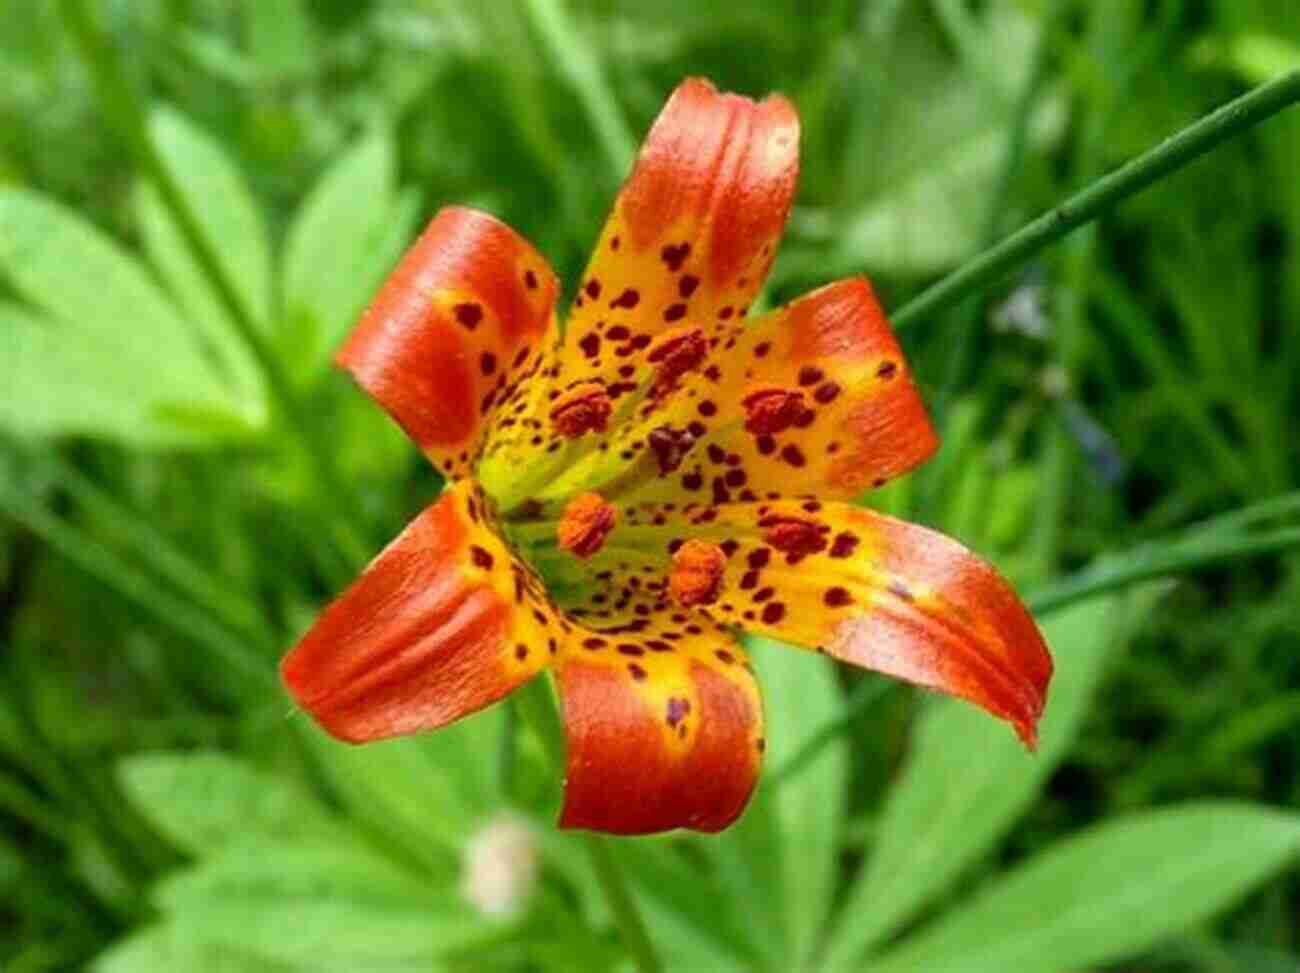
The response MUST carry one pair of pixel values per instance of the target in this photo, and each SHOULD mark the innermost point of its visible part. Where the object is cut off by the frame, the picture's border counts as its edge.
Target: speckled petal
(688, 245)
(813, 399)
(857, 585)
(443, 622)
(664, 727)
(449, 344)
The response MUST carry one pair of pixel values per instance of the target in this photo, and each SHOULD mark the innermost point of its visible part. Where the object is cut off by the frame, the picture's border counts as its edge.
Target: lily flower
(629, 493)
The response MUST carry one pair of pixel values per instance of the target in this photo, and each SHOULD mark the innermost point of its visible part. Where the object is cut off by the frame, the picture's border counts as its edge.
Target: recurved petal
(862, 587)
(455, 333)
(662, 732)
(444, 621)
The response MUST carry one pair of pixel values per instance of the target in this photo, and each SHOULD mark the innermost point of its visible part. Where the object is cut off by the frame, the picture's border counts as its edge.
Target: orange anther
(696, 577)
(585, 524)
(581, 409)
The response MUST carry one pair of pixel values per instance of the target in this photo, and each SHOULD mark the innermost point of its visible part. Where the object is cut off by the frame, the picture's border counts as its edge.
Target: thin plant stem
(177, 613)
(123, 109)
(619, 898)
(536, 706)
(1085, 206)
(234, 609)
(1144, 565)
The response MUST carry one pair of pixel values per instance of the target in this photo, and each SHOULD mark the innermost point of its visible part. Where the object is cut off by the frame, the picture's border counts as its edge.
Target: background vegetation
(1123, 406)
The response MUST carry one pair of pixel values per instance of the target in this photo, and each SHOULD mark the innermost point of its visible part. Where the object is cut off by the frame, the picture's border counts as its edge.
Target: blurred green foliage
(162, 539)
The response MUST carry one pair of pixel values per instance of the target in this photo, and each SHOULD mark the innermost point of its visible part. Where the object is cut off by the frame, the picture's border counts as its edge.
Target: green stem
(1174, 153)
(535, 704)
(176, 613)
(619, 898)
(123, 109)
(1143, 565)
(234, 609)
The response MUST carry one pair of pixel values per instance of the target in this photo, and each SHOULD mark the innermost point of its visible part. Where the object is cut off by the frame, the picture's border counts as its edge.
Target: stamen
(581, 409)
(795, 536)
(676, 352)
(772, 410)
(585, 524)
(696, 577)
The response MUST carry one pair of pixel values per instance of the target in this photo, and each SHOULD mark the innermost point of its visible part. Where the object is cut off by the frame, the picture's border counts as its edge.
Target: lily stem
(619, 898)
(535, 704)
(123, 109)
(1085, 206)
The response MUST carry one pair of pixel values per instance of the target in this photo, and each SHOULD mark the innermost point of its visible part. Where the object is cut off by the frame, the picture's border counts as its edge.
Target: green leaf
(936, 140)
(678, 898)
(427, 794)
(281, 40)
(966, 782)
(295, 869)
(48, 374)
(782, 889)
(324, 904)
(161, 949)
(228, 216)
(1108, 893)
(202, 801)
(328, 264)
(106, 328)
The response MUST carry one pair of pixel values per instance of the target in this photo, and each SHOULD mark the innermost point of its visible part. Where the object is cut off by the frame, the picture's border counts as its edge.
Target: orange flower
(677, 425)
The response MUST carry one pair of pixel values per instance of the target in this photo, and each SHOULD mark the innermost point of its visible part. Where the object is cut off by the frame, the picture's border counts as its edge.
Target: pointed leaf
(160, 949)
(783, 888)
(49, 371)
(201, 801)
(228, 216)
(328, 272)
(1109, 893)
(965, 784)
(425, 794)
(100, 297)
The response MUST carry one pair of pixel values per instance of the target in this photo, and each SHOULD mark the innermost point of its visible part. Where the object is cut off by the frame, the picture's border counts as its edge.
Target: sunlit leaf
(201, 801)
(329, 253)
(965, 783)
(1108, 893)
(113, 328)
(779, 863)
(229, 218)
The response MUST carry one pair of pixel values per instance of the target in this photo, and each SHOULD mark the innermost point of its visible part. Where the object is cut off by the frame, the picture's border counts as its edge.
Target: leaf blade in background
(229, 217)
(281, 40)
(202, 801)
(329, 248)
(101, 299)
(785, 889)
(1107, 893)
(160, 949)
(928, 156)
(965, 783)
(425, 795)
